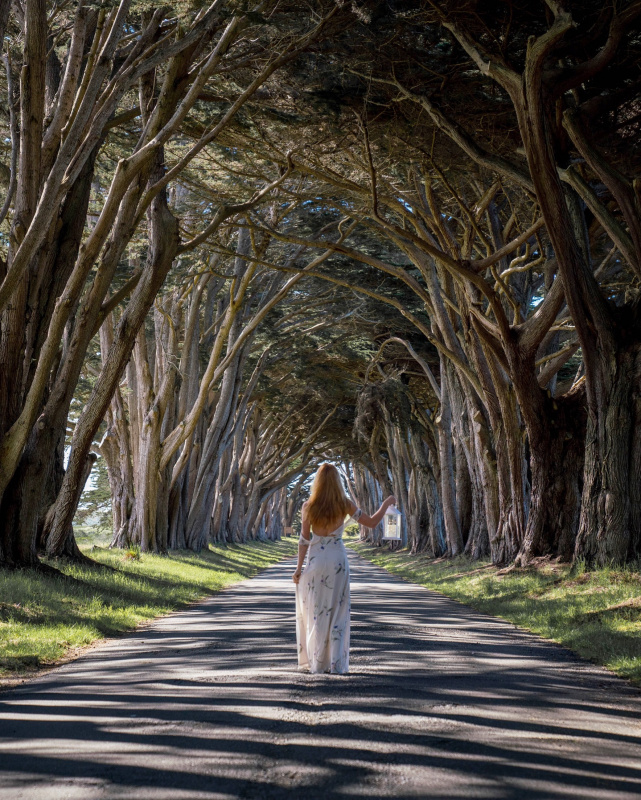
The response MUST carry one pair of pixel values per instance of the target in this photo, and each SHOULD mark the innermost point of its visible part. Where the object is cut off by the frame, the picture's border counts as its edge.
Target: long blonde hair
(327, 502)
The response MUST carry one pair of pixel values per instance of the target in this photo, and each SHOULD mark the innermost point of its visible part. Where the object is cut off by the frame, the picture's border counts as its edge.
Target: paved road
(441, 702)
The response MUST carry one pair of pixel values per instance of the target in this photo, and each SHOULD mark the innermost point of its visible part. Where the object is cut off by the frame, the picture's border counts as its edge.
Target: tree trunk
(610, 523)
(24, 503)
(448, 488)
(164, 238)
(556, 463)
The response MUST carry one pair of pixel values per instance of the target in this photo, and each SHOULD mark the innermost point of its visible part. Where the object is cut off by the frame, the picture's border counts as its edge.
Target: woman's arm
(305, 536)
(372, 522)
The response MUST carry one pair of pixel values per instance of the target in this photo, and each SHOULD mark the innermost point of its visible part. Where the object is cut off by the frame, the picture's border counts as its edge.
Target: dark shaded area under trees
(404, 236)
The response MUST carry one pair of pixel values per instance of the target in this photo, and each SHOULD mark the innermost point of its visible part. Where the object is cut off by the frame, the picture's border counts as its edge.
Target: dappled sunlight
(594, 613)
(209, 703)
(49, 615)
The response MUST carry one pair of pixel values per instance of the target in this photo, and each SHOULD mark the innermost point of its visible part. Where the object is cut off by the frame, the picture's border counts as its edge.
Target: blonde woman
(322, 590)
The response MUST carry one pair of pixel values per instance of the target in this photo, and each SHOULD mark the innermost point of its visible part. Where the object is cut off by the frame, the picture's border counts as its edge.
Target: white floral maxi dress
(323, 606)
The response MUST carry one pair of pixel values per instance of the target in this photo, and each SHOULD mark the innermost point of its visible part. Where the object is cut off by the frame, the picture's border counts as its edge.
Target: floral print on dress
(323, 606)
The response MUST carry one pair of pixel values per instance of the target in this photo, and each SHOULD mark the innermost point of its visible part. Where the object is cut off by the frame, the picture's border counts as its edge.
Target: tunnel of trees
(242, 238)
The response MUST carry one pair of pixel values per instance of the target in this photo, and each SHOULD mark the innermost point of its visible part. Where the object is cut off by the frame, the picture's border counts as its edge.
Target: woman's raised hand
(389, 501)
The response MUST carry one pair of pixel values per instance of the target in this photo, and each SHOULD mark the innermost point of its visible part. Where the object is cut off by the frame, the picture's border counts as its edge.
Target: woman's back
(329, 528)
(322, 590)
(322, 603)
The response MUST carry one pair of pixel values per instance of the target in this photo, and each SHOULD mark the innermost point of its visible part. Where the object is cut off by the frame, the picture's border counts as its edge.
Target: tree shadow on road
(209, 703)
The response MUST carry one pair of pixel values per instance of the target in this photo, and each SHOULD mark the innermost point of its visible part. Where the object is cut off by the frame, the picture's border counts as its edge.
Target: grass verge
(44, 619)
(595, 613)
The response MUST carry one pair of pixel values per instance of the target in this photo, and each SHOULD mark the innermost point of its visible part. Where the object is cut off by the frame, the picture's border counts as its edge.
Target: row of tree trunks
(582, 470)
(509, 438)
(45, 275)
(181, 438)
(524, 464)
(56, 283)
(368, 497)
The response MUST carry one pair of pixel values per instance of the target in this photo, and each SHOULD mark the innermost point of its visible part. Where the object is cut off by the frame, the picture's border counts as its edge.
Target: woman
(322, 593)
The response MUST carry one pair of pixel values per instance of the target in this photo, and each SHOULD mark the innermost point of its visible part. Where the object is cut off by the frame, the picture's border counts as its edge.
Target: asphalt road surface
(441, 703)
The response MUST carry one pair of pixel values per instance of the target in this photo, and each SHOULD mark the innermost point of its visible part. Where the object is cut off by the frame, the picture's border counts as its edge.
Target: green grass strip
(597, 614)
(45, 618)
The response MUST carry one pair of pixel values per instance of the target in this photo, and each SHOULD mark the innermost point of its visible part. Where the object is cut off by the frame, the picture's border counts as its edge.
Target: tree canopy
(239, 239)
